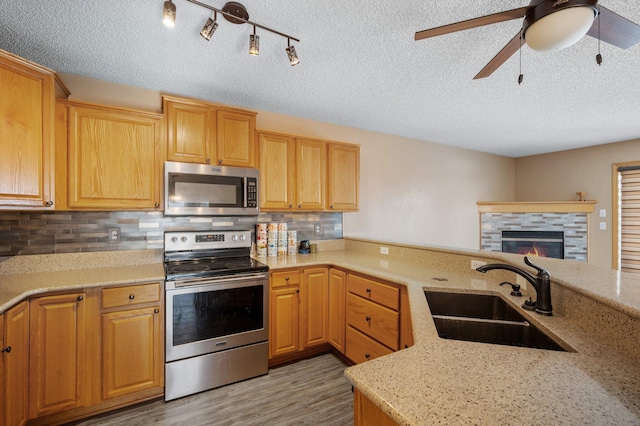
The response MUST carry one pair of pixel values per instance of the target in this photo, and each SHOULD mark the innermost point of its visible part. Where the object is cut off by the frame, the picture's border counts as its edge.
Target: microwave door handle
(244, 192)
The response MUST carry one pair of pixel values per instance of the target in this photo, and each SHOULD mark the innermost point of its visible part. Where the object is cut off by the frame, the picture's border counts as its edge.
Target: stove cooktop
(211, 267)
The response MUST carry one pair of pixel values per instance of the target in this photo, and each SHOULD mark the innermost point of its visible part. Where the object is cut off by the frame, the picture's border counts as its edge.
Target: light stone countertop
(440, 381)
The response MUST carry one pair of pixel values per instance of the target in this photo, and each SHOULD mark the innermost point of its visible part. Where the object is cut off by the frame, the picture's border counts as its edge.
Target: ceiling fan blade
(502, 56)
(473, 23)
(615, 29)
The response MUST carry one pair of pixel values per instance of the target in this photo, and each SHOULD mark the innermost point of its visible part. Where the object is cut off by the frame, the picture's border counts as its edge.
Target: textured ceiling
(360, 67)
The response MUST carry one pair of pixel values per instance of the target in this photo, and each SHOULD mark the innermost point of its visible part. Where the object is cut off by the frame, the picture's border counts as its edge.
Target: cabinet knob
(369, 290)
(367, 356)
(297, 290)
(156, 310)
(290, 205)
(131, 297)
(80, 298)
(299, 206)
(7, 349)
(208, 160)
(286, 278)
(331, 206)
(48, 203)
(156, 205)
(220, 161)
(368, 319)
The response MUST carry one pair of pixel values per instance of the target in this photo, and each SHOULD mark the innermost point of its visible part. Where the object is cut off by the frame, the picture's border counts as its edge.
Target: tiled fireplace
(568, 222)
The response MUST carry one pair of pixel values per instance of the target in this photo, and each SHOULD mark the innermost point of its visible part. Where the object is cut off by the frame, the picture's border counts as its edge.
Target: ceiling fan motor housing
(566, 34)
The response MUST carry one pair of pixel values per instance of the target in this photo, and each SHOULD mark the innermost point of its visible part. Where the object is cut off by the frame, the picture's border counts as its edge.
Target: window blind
(630, 219)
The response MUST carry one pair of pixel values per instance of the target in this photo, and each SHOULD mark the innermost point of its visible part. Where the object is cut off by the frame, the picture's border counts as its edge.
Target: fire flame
(534, 252)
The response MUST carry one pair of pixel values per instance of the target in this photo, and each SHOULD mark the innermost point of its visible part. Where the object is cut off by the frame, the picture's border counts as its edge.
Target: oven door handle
(200, 281)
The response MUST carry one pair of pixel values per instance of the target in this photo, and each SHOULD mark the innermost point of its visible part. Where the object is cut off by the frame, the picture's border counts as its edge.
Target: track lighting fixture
(291, 53)
(254, 43)
(169, 14)
(210, 27)
(235, 13)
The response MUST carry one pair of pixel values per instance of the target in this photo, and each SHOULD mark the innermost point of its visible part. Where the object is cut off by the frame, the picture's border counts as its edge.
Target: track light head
(169, 14)
(254, 43)
(209, 27)
(291, 53)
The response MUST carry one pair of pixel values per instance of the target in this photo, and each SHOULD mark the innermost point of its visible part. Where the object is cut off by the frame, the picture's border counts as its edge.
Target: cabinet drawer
(372, 290)
(131, 295)
(374, 320)
(361, 348)
(285, 278)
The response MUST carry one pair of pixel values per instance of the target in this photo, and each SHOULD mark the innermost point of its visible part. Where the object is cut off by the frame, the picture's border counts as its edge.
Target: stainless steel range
(216, 311)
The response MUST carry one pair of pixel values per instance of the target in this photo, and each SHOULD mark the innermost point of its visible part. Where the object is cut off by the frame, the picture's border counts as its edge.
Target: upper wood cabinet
(191, 132)
(114, 158)
(300, 174)
(15, 357)
(344, 177)
(200, 132)
(26, 133)
(277, 171)
(311, 174)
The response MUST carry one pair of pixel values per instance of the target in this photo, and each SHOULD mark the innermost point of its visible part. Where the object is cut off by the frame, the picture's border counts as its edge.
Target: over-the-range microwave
(207, 190)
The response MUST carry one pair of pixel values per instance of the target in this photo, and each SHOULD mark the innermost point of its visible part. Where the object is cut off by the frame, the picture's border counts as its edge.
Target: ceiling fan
(550, 25)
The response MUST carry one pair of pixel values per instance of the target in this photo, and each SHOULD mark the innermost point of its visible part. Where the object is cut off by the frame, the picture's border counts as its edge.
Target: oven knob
(183, 239)
(174, 239)
(242, 237)
(234, 238)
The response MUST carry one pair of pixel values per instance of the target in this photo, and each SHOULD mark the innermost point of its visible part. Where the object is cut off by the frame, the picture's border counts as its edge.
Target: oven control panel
(200, 240)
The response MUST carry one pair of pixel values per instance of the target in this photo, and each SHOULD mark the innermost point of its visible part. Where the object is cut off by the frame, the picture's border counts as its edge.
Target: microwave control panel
(252, 192)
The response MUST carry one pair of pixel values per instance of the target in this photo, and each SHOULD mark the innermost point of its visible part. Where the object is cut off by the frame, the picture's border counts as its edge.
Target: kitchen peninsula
(456, 382)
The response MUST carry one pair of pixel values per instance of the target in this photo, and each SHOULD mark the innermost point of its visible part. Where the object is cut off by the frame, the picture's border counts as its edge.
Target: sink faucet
(541, 283)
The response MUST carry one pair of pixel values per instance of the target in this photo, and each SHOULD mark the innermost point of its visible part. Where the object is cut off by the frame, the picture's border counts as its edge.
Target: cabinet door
(337, 308)
(132, 350)
(16, 365)
(115, 159)
(277, 171)
(26, 133)
(284, 315)
(311, 174)
(57, 359)
(236, 139)
(315, 293)
(344, 177)
(191, 132)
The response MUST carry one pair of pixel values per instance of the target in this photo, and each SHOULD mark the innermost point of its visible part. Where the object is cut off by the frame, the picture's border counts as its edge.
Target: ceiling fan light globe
(560, 29)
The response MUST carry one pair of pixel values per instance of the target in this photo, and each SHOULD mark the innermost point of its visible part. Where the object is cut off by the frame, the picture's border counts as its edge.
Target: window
(626, 217)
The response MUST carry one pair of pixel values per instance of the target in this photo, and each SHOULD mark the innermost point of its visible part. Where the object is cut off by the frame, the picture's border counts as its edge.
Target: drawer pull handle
(80, 298)
(286, 278)
(368, 319)
(367, 356)
(131, 297)
(369, 290)
(155, 311)
(7, 349)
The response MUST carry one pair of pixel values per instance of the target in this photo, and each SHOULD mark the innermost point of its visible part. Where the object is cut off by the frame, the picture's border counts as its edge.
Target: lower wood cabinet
(15, 357)
(72, 355)
(337, 308)
(298, 310)
(132, 339)
(57, 376)
(366, 413)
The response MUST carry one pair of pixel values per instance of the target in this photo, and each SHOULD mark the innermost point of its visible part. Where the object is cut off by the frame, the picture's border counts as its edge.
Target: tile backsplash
(28, 232)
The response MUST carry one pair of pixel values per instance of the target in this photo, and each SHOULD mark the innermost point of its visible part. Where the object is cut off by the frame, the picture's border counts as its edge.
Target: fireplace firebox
(534, 243)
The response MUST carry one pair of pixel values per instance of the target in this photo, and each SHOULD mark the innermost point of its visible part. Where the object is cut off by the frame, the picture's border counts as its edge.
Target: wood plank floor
(309, 392)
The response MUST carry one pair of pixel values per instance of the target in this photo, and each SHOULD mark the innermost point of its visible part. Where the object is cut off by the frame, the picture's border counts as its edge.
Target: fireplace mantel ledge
(536, 206)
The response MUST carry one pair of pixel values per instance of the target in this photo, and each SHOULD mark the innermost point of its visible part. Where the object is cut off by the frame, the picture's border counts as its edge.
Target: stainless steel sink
(484, 318)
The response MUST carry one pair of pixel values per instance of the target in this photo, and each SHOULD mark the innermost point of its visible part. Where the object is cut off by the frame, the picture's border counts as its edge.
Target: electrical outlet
(475, 264)
(316, 229)
(114, 235)
(384, 250)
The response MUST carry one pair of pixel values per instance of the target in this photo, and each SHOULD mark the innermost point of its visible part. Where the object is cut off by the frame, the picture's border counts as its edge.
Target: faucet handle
(537, 268)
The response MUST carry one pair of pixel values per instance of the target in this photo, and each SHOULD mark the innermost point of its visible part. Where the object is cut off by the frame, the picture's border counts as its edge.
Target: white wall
(411, 191)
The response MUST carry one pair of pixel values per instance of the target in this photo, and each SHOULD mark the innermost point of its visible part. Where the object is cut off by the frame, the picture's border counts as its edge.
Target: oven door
(215, 316)
(200, 189)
